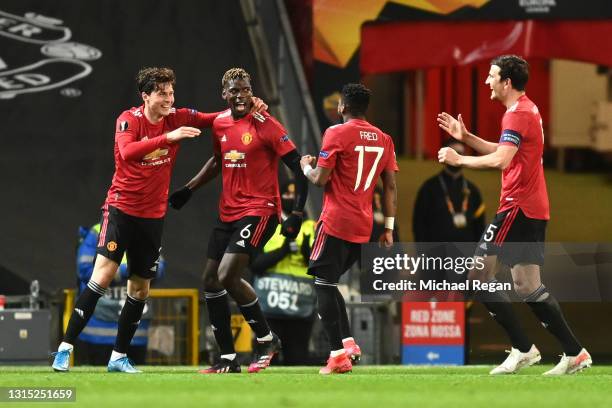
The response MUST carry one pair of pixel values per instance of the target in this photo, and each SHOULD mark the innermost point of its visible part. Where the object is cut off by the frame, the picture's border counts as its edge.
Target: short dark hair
(515, 68)
(233, 74)
(356, 98)
(149, 79)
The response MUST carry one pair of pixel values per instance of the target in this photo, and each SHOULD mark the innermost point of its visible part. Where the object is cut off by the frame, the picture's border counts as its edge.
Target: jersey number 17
(362, 151)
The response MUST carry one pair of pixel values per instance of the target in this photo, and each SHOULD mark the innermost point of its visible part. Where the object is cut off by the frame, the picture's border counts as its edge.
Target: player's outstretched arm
(317, 176)
(131, 149)
(456, 128)
(389, 205)
(209, 171)
(205, 120)
(499, 159)
(184, 132)
(291, 225)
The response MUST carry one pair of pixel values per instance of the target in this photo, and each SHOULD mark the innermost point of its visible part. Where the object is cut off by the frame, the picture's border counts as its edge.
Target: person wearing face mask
(285, 290)
(448, 207)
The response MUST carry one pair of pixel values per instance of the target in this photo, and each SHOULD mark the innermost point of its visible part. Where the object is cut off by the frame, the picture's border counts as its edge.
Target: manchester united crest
(247, 138)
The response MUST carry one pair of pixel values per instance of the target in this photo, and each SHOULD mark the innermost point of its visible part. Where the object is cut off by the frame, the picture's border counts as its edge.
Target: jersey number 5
(362, 150)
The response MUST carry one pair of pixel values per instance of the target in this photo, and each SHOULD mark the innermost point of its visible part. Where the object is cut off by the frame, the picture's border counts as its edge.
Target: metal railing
(174, 308)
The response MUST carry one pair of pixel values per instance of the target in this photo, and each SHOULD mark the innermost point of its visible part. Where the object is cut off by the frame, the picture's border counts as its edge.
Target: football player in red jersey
(515, 237)
(146, 143)
(353, 155)
(247, 148)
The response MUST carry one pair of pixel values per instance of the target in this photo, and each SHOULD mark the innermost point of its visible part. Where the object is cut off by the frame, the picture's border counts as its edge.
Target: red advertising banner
(433, 323)
(403, 46)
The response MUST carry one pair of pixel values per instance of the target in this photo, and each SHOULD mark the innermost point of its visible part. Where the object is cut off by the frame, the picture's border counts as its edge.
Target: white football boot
(571, 365)
(517, 360)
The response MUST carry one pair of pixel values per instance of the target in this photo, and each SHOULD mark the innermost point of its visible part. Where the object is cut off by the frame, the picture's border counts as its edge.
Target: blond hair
(233, 74)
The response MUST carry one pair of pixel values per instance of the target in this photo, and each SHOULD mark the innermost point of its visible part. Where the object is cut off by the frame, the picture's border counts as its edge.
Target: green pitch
(367, 386)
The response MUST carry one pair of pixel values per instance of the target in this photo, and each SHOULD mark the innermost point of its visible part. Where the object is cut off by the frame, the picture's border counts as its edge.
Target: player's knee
(523, 288)
(227, 278)
(211, 282)
(210, 277)
(140, 293)
(227, 281)
(104, 271)
(138, 288)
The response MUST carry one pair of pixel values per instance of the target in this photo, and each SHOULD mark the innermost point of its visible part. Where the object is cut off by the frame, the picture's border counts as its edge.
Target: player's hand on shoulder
(258, 105)
(454, 127)
(184, 132)
(291, 226)
(386, 239)
(179, 198)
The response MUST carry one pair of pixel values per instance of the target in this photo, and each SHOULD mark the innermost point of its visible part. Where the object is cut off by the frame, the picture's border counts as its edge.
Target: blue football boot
(61, 362)
(122, 365)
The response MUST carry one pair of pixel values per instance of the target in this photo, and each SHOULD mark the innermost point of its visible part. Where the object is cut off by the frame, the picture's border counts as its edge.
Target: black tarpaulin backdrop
(57, 151)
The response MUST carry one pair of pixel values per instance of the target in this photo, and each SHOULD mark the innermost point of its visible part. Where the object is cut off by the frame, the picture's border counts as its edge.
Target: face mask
(453, 169)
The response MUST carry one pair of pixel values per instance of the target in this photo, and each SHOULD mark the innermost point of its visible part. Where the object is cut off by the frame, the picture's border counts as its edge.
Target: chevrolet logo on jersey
(234, 156)
(156, 154)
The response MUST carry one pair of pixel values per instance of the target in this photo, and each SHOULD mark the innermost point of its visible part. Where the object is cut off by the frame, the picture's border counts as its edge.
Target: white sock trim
(96, 288)
(230, 357)
(250, 303)
(324, 283)
(348, 339)
(213, 295)
(267, 337)
(116, 355)
(336, 353)
(65, 346)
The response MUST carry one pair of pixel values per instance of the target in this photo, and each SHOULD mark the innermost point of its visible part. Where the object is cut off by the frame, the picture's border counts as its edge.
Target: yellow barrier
(193, 316)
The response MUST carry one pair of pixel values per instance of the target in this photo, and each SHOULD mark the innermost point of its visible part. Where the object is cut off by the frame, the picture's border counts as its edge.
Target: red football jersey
(523, 182)
(357, 152)
(249, 149)
(144, 160)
